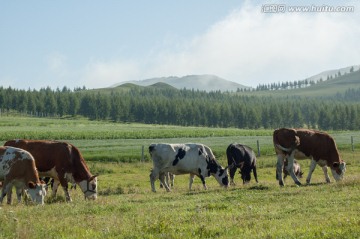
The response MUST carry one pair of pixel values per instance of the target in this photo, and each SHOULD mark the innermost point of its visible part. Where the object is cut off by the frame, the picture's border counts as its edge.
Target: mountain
(326, 88)
(196, 82)
(332, 73)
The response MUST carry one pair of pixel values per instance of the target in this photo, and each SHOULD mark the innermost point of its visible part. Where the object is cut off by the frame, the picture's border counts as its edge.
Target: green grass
(96, 139)
(126, 207)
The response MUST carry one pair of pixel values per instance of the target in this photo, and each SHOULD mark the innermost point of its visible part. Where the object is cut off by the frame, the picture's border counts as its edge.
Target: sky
(98, 44)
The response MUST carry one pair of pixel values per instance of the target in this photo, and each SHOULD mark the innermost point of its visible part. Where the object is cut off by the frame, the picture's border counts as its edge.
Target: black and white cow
(242, 157)
(195, 159)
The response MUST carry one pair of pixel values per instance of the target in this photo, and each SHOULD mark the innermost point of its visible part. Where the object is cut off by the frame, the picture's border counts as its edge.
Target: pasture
(126, 207)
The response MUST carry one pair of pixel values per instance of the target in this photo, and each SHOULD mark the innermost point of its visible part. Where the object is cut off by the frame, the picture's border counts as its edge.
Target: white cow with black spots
(193, 159)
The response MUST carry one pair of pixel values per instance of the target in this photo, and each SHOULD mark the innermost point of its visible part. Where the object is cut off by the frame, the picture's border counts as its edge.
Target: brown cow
(17, 168)
(61, 161)
(304, 143)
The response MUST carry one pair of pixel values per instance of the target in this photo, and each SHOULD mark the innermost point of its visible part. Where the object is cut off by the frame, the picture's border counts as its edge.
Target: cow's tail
(278, 145)
(288, 150)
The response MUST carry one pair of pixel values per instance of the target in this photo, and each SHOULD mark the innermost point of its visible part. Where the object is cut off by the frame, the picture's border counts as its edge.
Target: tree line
(297, 84)
(188, 107)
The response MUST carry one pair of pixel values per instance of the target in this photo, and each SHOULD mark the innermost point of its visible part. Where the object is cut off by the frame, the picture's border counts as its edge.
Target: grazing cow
(61, 161)
(303, 143)
(242, 157)
(296, 167)
(195, 159)
(17, 168)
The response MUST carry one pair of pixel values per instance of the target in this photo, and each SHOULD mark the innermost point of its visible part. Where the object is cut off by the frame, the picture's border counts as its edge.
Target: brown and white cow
(17, 168)
(61, 161)
(304, 143)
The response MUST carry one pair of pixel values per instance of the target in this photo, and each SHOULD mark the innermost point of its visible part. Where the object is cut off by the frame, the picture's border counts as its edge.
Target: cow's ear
(31, 184)
(92, 177)
(335, 165)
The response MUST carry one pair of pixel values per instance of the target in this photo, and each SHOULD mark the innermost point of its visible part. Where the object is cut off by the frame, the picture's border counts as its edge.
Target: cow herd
(23, 162)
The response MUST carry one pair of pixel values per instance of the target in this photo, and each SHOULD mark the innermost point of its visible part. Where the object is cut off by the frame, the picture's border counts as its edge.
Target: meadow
(126, 207)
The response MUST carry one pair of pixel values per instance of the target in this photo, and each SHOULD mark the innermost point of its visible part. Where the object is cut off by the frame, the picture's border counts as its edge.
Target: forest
(169, 106)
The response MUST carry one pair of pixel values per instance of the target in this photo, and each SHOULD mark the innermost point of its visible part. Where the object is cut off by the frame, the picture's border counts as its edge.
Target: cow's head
(37, 192)
(89, 187)
(338, 170)
(221, 174)
(245, 176)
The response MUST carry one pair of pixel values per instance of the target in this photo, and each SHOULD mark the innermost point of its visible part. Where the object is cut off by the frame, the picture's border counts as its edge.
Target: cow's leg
(255, 173)
(232, 172)
(290, 168)
(279, 169)
(202, 177)
(66, 191)
(153, 176)
(163, 181)
(166, 179)
(191, 180)
(311, 170)
(19, 193)
(6, 188)
(172, 179)
(55, 186)
(242, 173)
(3, 194)
(325, 170)
(9, 196)
(64, 185)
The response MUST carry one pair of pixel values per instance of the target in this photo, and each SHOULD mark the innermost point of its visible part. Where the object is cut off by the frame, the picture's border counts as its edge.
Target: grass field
(126, 207)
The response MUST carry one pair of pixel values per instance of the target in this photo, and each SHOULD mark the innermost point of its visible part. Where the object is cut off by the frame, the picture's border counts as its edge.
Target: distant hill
(326, 88)
(332, 73)
(196, 82)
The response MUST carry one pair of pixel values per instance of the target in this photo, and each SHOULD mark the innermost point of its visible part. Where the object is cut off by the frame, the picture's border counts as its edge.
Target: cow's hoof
(281, 183)
(298, 183)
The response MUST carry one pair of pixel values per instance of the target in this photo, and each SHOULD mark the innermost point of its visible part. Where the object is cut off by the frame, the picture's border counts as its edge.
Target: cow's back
(17, 163)
(240, 153)
(317, 144)
(177, 157)
(47, 154)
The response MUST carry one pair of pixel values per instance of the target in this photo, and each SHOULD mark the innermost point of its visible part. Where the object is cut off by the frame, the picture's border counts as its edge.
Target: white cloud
(251, 47)
(248, 47)
(107, 73)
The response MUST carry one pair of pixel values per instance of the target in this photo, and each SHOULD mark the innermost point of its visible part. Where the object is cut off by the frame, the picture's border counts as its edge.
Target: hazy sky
(99, 43)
